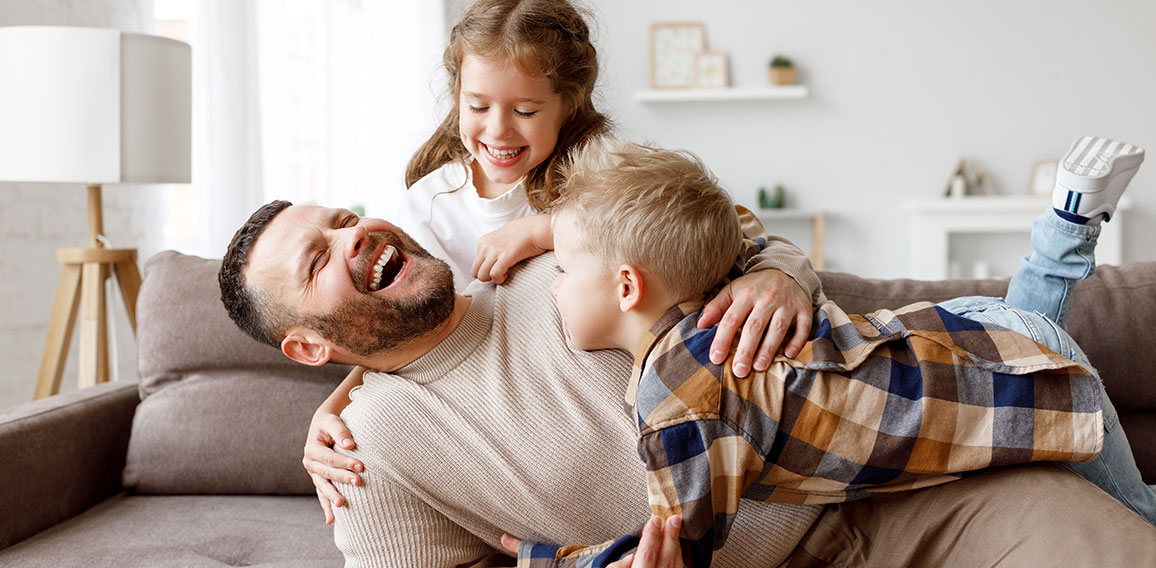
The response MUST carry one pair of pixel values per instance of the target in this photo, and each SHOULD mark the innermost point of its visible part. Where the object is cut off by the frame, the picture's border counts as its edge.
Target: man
(488, 423)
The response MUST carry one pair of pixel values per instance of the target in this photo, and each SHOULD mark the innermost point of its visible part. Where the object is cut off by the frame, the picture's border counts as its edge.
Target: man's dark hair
(250, 309)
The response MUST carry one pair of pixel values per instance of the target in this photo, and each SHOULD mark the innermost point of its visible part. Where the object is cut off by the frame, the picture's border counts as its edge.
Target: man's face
(585, 290)
(363, 284)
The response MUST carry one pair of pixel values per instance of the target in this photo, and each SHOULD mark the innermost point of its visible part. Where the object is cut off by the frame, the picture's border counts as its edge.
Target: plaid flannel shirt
(888, 401)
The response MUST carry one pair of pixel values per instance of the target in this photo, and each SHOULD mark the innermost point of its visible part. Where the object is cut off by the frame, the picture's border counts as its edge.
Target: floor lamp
(91, 106)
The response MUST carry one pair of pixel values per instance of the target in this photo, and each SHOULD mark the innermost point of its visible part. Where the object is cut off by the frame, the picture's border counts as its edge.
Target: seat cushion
(129, 531)
(220, 413)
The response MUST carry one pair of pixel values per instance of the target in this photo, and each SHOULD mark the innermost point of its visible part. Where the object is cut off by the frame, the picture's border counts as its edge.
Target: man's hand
(501, 249)
(326, 465)
(751, 303)
(658, 547)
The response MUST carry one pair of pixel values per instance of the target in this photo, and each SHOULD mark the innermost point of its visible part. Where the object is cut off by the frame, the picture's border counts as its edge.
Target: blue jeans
(1037, 305)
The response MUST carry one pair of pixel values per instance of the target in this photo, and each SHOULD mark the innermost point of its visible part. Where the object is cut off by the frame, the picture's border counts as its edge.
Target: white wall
(36, 219)
(900, 90)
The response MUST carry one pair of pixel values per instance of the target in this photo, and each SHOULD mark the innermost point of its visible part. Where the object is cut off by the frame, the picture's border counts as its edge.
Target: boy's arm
(707, 502)
(501, 249)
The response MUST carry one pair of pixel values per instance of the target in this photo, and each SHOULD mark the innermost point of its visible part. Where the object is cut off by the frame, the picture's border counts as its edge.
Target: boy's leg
(1062, 253)
(1089, 182)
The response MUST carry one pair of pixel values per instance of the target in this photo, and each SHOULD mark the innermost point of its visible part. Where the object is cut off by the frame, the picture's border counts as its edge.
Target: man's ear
(303, 345)
(631, 287)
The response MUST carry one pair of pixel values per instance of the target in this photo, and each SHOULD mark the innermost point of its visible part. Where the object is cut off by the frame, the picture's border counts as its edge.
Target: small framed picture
(1044, 177)
(674, 50)
(711, 69)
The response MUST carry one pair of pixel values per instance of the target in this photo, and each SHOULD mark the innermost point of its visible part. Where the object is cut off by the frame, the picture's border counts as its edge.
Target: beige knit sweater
(505, 428)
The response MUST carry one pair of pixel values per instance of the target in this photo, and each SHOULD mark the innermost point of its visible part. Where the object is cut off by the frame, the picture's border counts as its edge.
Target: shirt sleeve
(762, 251)
(385, 526)
(698, 469)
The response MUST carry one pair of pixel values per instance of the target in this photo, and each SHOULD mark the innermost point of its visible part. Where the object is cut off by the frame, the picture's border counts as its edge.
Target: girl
(523, 72)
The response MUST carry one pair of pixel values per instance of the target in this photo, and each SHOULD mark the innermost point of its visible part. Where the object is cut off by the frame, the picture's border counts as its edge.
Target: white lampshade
(93, 106)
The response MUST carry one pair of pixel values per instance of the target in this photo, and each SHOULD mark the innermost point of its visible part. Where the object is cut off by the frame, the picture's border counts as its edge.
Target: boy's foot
(1092, 177)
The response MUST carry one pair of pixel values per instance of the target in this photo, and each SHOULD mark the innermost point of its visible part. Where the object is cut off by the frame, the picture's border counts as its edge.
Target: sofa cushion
(150, 531)
(220, 413)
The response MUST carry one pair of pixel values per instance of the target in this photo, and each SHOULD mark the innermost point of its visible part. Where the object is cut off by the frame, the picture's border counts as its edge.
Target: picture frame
(711, 70)
(1044, 177)
(674, 49)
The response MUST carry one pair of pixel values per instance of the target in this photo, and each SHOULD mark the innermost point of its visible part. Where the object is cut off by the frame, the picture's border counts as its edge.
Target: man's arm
(763, 251)
(772, 289)
(383, 525)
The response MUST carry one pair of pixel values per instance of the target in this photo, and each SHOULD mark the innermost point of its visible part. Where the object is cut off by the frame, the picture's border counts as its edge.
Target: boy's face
(586, 292)
(508, 121)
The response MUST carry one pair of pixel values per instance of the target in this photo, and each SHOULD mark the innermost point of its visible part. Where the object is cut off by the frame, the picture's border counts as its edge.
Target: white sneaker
(1092, 176)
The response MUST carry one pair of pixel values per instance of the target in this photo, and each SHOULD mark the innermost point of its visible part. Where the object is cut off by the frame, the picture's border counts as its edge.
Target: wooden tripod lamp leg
(82, 276)
(59, 331)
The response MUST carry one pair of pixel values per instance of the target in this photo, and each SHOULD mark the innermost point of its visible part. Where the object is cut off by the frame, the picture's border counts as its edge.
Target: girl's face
(508, 121)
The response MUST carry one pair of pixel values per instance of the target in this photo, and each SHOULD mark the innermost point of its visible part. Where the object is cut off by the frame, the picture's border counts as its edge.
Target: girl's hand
(326, 465)
(501, 249)
(751, 303)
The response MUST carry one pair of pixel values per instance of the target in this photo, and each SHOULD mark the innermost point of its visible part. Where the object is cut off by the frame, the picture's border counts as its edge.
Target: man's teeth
(504, 154)
(379, 268)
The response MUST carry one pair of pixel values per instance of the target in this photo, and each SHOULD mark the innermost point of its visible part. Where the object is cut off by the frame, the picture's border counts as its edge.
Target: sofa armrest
(62, 455)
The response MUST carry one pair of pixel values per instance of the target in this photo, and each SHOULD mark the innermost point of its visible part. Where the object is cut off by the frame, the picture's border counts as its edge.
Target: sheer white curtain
(314, 101)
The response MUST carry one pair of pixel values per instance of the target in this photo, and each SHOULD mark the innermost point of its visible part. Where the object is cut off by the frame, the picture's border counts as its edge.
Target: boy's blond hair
(657, 209)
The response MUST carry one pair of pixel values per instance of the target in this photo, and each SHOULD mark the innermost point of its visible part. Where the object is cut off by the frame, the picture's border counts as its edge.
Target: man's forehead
(286, 236)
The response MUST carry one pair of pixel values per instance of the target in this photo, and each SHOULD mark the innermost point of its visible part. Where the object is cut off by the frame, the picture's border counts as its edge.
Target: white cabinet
(935, 220)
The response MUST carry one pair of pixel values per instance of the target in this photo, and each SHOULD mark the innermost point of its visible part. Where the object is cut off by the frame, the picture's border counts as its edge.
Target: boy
(890, 401)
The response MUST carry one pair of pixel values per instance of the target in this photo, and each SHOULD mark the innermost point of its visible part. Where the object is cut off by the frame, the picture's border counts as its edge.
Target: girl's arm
(324, 464)
(777, 292)
(510, 244)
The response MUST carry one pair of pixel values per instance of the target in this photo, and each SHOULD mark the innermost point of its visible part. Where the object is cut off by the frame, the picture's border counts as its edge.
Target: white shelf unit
(818, 227)
(721, 94)
(934, 220)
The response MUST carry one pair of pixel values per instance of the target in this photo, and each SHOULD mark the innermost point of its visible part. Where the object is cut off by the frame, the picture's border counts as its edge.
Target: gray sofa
(198, 464)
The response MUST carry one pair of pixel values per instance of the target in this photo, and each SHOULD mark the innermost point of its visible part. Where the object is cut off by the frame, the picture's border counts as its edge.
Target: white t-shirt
(444, 213)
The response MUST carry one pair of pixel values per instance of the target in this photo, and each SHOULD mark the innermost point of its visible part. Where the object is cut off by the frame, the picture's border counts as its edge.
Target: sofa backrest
(220, 413)
(1113, 319)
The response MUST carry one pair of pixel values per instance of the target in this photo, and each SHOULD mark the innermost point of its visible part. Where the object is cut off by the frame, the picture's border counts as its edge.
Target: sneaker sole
(1093, 165)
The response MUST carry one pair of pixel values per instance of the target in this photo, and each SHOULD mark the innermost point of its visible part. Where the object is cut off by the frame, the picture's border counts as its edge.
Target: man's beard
(371, 324)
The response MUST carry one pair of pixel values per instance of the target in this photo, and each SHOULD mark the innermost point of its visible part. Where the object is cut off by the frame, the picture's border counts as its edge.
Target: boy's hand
(750, 303)
(658, 547)
(326, 465)
(501, 249)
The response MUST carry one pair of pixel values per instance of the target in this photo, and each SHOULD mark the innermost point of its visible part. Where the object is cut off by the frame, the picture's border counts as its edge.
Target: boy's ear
(304, 346)
(631, 287)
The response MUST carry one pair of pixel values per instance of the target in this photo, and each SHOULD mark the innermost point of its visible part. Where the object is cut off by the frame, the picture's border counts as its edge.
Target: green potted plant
(782, 71)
